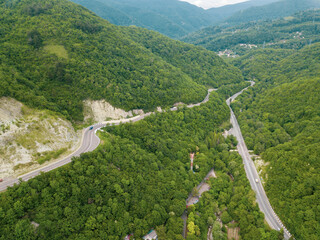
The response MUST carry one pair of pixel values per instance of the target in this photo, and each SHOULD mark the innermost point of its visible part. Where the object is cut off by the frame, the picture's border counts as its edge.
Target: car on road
(1, 180)
(257, 180)
(91, 128)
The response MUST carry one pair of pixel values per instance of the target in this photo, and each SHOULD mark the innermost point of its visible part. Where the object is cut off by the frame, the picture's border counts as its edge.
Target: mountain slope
(280, 65)
(260, 64)
(208, 70)
(55, 54)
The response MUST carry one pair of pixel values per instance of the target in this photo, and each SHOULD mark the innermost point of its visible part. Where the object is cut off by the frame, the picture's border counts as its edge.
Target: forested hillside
(293, 32)
(261, 64)
(208, 70)
(280, 121)
(280, 65)
(55, 54)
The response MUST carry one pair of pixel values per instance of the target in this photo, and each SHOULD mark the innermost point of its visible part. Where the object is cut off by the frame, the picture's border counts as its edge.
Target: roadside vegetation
(229, 204)
(47, 156)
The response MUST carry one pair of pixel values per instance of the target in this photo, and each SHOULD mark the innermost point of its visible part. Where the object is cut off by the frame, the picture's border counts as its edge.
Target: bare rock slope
(100, 111)
(29, 137)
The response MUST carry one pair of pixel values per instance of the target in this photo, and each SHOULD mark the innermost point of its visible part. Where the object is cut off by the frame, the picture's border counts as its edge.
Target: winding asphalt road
(89, 142)
(252, 174)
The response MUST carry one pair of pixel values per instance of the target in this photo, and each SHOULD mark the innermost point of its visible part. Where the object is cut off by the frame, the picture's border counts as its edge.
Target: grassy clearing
(26, 165)
(35, 133)
(288, 18)
(4, 128)
(58, 50)
(37, 128)
(233, 233)
(226, 125)
(51, 155)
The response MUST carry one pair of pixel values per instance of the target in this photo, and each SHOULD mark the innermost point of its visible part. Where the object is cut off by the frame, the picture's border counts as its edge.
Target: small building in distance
(151, 235)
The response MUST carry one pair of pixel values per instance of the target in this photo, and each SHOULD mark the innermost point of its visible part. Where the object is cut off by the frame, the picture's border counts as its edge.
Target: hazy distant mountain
(272, 11)
(107, 11)
(222, 13)
(170, 17)
(293, 32)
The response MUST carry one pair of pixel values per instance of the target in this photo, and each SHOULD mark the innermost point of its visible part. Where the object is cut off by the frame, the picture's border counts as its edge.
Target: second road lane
(252, 174)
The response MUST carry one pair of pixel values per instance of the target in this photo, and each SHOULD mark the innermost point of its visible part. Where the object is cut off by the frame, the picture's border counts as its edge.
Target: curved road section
(89, 142)
(252, 174)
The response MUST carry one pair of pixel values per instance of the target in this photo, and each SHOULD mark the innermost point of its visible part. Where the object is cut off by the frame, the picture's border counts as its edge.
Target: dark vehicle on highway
(91, 128)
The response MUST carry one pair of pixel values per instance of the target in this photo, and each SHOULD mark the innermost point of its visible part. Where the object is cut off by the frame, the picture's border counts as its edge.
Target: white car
(257, 180)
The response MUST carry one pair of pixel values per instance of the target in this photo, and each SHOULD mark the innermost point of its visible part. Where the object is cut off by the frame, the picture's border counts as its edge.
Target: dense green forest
(207, 70)
(261, 64)
(293, 32)
(233, 202)
(276, 66)
(55, 54)
(279, 119)
(138, 179)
